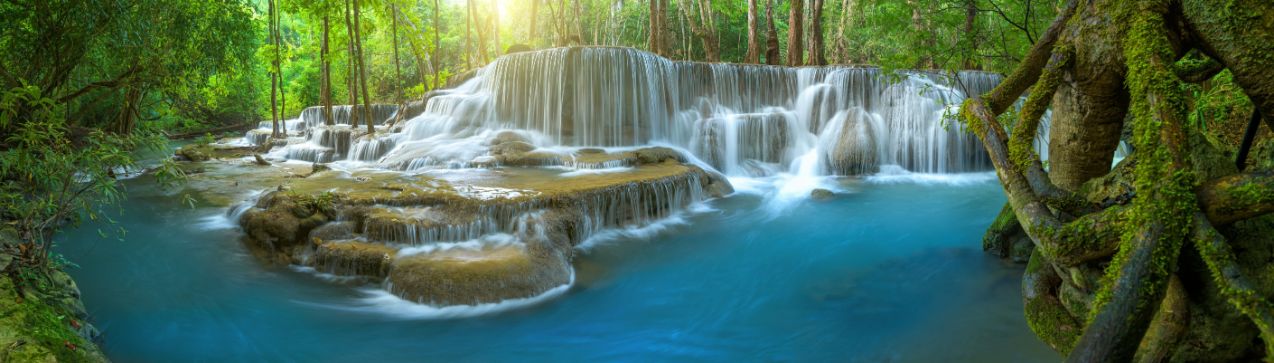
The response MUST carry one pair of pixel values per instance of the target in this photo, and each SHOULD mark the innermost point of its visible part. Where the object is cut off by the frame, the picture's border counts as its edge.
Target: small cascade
(743, 120)
(343, 115)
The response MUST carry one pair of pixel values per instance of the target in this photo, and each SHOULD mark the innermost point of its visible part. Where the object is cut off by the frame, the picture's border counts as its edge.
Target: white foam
(893, 174)
(326, 276)
(492, 240)
(379, 301)
(644, 232)
(584, 172)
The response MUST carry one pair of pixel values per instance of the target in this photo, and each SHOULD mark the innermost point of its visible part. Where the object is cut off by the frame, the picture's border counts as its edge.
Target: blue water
(884, 272)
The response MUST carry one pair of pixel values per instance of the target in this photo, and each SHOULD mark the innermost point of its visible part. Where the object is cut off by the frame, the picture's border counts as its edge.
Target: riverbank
(41, 316)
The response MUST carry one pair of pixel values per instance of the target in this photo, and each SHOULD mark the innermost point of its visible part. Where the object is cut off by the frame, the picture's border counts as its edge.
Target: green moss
(34, 330)
(1045, 314)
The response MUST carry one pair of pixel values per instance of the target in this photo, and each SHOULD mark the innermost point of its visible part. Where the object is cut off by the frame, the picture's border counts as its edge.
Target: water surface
(890, 270)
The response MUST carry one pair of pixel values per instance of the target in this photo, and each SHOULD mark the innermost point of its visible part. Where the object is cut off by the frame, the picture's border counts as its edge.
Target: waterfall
(743, 120)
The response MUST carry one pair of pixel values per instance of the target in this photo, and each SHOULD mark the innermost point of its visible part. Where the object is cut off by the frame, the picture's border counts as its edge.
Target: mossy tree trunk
(1138, 262)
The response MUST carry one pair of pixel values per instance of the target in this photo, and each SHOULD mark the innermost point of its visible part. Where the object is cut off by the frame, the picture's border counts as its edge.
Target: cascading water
(744, 120)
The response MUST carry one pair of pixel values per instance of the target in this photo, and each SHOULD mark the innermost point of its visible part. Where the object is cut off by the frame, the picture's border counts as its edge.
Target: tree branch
(1026, 73)
(1236, 288)
(1237, 197)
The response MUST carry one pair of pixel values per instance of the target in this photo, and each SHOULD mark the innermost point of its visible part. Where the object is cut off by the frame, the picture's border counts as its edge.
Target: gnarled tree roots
(1140, 263)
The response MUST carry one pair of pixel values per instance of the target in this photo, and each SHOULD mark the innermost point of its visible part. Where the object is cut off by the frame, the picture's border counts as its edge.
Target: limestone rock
(470, 277)
(821, 194)
(850, 147)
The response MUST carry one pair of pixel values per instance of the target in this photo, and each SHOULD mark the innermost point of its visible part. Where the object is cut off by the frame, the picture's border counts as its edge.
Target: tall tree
(970, 45)
(352, 77)
(398, 77)
(843, 27)
(362, 71)
(655, 40)
(816, 34)
(705, 29)
(754, 45)
(468, 34)
(795, 24)
(435, 59)
(772, 54)
(325, 72)
(533, 29)
(274, 75)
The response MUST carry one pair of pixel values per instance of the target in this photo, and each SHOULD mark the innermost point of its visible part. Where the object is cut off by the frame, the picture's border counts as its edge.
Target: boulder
(195, 152)
(850, 148)
(461, 276)
(352, 258)
(656, 155)
(821, 194)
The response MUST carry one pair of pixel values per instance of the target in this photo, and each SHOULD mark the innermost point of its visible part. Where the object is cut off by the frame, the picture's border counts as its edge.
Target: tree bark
(655, 38)
(970, 34)
(326, 72)
(795, 25)
(352, 63)
(772, 54)
(754, 45)
(274, 77)
(436, 59)
(847, 20)
(535, 16)
(362, 72)
(398, 76)
(705, 29)
(817, 57)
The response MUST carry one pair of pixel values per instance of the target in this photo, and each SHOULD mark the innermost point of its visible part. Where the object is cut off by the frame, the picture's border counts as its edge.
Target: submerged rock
(821, 194)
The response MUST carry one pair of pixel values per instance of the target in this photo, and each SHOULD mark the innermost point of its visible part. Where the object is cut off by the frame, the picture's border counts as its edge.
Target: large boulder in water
(849, 144)
(281, 223)
(461, 276)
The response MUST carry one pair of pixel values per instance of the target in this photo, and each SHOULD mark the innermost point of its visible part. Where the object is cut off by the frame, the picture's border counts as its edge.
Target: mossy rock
(33, 329)
(470, 277)
(352, 258)
(281, 222)
(821, 194)
(195, 152)
(656, 155)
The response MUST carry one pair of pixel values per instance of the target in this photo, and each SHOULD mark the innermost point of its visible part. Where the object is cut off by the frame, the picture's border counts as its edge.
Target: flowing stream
(889, 269)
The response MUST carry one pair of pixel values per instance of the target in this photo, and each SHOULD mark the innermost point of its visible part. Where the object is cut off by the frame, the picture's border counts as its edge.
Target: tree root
(1168, 327)
(1236, 288)
(1045, 313)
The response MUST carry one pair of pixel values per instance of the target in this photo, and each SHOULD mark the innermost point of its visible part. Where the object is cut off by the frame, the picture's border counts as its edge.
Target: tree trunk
(918, 24)
(705, 28)
(436, 59)
(795, 24)
(480, 33)
(535, 16)
(274, 78)
(352, 77)
(362, 72)
(655, 40)
(468, 34)
(326, 72)
(816, 34)
(843, 27)
(772, 54)
(754, 47)
(970, 35)
(398, 76)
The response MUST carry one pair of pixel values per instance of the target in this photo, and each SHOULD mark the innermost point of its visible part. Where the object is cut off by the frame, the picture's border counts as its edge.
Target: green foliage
(49, 177)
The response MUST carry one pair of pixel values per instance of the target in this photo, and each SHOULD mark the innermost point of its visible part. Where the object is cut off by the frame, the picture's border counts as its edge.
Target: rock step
(424, 225)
